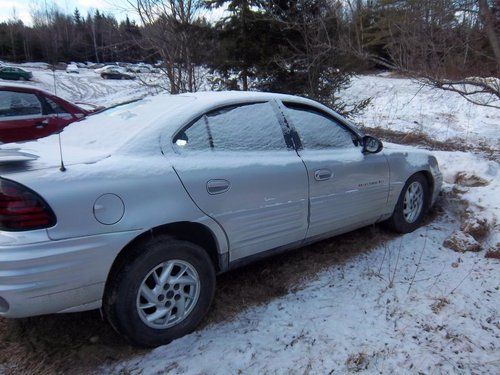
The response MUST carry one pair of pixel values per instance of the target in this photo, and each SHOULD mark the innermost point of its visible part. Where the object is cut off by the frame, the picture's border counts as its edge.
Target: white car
(106, 68)
(72, 68)
(158, 196)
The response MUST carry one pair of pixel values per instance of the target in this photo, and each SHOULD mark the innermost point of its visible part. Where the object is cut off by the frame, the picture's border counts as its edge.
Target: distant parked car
(28, 113)
(140, 68)
(13, 73)
(116, 73)
(106, 67)
(72, 68)
(162, 194)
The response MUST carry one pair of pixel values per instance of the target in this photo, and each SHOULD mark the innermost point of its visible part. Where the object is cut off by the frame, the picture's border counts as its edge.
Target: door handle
(322, 174)
(42, 124)
(218, 186)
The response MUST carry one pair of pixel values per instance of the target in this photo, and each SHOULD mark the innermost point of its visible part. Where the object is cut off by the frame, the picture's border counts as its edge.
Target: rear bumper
(49, 276)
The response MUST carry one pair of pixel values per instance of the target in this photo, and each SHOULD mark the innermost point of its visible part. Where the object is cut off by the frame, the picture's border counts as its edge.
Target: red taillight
(23, 209)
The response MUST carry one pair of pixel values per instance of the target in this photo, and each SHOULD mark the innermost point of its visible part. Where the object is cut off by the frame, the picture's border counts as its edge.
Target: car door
(237, 167)
(23, 117)
(347, 189)
(60, 117)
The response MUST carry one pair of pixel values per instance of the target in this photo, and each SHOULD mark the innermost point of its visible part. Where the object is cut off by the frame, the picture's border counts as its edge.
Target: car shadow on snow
(81, 342)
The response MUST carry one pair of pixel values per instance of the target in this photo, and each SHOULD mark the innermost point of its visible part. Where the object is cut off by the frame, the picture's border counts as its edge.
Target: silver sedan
(135, 210)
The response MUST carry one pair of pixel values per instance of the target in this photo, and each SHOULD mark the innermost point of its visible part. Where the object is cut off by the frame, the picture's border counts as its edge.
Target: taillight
(23, 209)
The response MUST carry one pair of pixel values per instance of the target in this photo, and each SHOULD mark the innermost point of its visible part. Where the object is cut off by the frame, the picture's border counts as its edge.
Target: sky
(23, 8)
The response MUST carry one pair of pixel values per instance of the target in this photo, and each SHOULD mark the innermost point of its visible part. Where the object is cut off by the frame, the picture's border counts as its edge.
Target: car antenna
(62, 168)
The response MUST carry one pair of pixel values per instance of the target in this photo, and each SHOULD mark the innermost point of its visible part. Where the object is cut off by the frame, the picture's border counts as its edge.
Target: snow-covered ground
(405, 105)
(410, 305)
(88, 86)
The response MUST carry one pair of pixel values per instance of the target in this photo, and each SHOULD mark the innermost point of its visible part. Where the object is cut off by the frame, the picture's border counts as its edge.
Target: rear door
(23, 117)
(239, 169)
(348, 189)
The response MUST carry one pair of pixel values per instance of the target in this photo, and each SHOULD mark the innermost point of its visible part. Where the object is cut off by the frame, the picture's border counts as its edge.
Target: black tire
(119, 304)
(397, 221)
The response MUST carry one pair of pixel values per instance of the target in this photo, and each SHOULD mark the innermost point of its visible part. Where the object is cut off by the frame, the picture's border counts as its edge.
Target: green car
(10, 72)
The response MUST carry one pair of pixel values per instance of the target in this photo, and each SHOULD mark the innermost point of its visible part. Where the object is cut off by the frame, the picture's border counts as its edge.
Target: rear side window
(248, 127)
(19, 104)
(317, 131)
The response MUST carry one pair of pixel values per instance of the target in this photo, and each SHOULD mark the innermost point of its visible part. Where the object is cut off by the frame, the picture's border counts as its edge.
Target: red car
(28, 113)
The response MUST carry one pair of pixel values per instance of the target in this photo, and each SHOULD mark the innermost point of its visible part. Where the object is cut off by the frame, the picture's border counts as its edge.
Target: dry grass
(423, 140)
(493, 253)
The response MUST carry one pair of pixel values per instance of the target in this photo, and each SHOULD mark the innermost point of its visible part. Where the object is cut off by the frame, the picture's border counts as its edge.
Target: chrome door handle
(218, 186)
(323, 174)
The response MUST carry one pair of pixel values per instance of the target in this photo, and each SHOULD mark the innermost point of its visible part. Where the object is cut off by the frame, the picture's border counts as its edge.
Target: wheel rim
(168, 294)
(413, 202)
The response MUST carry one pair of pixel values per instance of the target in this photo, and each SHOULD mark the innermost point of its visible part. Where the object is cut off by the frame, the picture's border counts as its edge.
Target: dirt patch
(357, 362)
(493, 253)
(461, 242)
(469, 180)
(440, 303)
(423, 140)
(477, 227)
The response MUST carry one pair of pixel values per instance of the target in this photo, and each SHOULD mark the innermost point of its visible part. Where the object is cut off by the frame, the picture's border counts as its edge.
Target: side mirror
(371, 145)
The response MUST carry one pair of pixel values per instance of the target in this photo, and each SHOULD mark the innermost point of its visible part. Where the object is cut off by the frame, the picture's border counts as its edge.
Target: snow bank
(402, 104)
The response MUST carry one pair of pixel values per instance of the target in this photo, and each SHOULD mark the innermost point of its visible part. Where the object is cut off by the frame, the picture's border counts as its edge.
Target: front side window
(317, 131)
(19, 104)
(248, 127)
(54, 107)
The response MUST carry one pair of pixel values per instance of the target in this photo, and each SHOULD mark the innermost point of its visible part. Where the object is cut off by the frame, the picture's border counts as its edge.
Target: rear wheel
(162, 294)
(412, 205)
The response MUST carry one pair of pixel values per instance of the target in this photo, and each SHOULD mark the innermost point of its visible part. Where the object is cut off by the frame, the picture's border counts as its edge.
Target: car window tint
(249, 127)
(318, 131)
(54, 107)
(19, 104)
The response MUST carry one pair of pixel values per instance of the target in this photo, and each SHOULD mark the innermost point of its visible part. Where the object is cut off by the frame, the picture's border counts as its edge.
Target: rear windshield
(115, 126)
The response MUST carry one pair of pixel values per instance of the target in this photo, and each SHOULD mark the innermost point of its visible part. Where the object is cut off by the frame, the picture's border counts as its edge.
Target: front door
(348, 189)
(235, 164)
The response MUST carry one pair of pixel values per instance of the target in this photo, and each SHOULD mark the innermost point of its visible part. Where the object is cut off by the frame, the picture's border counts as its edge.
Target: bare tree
(167, 25)
(440, 43)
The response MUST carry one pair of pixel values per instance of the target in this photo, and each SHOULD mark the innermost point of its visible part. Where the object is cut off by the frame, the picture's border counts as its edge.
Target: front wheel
(162, 294)
(412, 205)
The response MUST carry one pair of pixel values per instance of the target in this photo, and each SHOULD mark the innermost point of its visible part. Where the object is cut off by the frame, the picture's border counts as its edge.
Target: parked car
(160, 195)
(13, 73)
(116, 73)
(106, 67)
(140, 68)
(72, 68)
(28, 113)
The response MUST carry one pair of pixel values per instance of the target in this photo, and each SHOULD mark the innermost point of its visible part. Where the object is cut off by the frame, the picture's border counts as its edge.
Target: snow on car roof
(137, 127)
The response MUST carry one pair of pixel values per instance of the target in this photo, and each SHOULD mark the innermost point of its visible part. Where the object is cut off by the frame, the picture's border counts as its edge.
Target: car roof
(138, 128)
(22, 87)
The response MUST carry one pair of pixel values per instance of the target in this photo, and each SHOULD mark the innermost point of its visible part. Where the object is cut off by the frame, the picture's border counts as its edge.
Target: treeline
(309, 47)
(55, 36)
